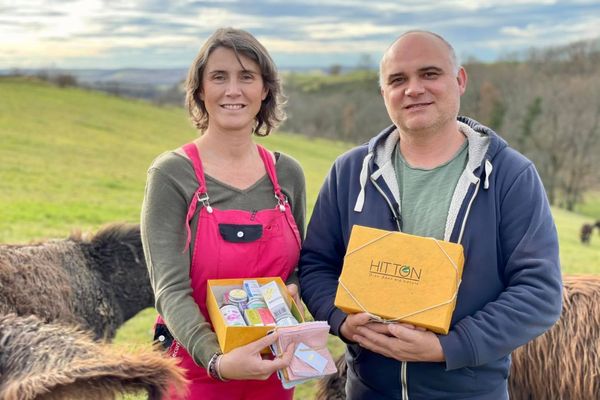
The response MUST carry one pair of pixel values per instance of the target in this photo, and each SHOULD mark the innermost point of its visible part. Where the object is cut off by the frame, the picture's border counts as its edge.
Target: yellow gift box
(400, 277)
(231, 337)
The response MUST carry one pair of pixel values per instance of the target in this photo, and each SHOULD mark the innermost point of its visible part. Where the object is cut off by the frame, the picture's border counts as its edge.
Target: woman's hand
(294, 292)
(246, 362)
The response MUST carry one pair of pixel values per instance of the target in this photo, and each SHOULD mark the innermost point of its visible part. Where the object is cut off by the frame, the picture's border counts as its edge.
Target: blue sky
(167, 34)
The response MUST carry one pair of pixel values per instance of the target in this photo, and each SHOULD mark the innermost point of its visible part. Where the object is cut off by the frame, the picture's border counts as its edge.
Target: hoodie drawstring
(360, 200)
(488, 172)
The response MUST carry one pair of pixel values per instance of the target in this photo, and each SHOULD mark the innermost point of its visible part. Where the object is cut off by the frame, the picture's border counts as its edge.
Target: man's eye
(430, 75)
(397, 81)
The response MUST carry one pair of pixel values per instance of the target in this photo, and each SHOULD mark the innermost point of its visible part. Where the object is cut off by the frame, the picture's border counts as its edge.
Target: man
(435, 174)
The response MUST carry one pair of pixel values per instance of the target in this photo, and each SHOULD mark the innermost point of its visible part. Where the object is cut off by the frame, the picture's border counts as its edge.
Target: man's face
(420, 88)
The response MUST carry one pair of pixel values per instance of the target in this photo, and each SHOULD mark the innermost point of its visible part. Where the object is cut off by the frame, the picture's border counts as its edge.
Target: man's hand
(402, 342)
(348, 329)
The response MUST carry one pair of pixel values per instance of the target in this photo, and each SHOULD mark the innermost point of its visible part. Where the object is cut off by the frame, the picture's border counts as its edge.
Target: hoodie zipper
(464, 221)
(398, 220)
(485, 176)
(397, 215)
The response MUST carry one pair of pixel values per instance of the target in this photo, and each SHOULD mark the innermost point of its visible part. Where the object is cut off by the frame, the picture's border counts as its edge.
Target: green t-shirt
(425, 194)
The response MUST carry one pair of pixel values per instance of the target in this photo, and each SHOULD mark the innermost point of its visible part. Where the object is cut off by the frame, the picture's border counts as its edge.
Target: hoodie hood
(483, 144)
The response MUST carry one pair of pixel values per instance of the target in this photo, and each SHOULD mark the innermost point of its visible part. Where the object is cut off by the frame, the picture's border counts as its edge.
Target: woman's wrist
(218, 368)
(213, 367)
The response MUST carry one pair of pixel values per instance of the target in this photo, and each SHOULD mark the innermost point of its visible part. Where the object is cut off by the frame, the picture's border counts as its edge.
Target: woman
(197, 194)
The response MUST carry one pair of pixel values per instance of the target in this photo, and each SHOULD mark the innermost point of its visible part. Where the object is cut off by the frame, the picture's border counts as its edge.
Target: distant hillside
(134, 76)
(72, 158)
(151, 78)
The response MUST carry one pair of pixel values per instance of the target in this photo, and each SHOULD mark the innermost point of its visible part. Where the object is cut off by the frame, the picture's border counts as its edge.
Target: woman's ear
(265, 93)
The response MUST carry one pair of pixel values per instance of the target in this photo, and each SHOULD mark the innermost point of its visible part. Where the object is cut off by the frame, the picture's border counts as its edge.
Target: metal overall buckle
(281, 202)
(203, 198)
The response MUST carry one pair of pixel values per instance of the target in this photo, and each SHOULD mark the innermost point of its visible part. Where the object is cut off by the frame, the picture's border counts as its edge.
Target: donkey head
(117, 255)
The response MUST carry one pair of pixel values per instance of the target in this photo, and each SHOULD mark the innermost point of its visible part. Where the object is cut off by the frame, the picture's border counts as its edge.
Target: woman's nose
(233, 88)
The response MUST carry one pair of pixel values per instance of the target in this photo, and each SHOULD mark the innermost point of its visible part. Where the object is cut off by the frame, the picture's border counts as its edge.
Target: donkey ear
(115, 249)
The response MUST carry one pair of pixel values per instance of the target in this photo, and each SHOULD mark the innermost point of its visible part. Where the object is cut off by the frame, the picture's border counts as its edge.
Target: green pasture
(72, 159)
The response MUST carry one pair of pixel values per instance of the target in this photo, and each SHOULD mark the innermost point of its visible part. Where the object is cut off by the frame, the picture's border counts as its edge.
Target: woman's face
(232, 91)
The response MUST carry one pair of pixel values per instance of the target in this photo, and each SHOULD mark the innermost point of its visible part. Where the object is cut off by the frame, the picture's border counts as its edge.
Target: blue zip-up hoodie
(511, 284)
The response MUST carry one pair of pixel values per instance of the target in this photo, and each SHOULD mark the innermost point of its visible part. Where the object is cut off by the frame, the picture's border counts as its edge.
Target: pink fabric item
(314, 336)
(276, 253)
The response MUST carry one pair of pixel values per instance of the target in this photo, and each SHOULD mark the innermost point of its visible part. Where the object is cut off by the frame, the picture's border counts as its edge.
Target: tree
(365, 62)
(491, 107)
(335, 69)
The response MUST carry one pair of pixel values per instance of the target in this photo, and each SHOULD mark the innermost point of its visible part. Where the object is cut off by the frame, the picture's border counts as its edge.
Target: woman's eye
(247, 77)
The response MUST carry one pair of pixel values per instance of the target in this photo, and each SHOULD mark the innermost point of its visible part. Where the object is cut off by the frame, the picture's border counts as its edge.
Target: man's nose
(414, 88)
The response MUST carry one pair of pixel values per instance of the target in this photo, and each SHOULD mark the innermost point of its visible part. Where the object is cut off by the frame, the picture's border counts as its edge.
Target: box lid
(398, 276)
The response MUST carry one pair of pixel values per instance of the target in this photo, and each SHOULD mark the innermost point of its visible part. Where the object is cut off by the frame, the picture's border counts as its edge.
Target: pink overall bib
(216, 256)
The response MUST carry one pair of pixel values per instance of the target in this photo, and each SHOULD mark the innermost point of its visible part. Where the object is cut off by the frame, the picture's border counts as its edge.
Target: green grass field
(71, 160)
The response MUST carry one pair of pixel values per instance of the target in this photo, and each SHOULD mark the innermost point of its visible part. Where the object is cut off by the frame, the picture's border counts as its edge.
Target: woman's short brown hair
(242, 43)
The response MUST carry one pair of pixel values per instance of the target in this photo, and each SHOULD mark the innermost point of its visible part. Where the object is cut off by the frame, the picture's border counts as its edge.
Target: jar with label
(239, 298)
(232, 315)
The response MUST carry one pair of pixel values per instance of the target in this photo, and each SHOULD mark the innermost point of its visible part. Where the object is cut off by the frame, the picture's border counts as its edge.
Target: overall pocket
(235, 233)
(163, 336)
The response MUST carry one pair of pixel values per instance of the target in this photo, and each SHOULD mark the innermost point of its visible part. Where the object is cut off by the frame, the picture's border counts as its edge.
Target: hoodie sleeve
(322, 256)
(529, 265)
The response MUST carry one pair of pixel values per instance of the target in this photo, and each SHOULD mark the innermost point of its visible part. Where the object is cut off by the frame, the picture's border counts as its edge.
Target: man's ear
(462, 79)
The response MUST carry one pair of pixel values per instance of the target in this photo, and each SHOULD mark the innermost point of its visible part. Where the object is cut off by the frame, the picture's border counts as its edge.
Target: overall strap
(201, 194)
(192, 152)
(270, 167)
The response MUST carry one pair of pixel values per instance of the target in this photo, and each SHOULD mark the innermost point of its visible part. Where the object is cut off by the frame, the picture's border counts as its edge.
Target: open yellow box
(401, 277)
(231, 337)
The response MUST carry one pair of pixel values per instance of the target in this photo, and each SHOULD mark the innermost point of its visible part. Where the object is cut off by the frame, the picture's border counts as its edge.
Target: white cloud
(317, 47)
(213, 18)
(343, 30)
(548, 35)
(437, 7)
(44, 54)
(40, 30)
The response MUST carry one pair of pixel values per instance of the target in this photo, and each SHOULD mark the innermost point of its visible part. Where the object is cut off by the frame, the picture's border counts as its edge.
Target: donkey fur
(50, 361)
(97, 284)
(563, 363)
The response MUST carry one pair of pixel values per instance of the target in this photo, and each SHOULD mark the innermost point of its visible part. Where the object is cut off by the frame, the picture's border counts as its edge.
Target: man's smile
(417, 106)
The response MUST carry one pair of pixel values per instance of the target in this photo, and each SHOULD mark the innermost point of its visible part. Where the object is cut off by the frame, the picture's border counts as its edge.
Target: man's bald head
(390, 49)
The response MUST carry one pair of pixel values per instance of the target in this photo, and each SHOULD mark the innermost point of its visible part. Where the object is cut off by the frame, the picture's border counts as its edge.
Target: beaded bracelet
(218, 368)
(213, 367)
